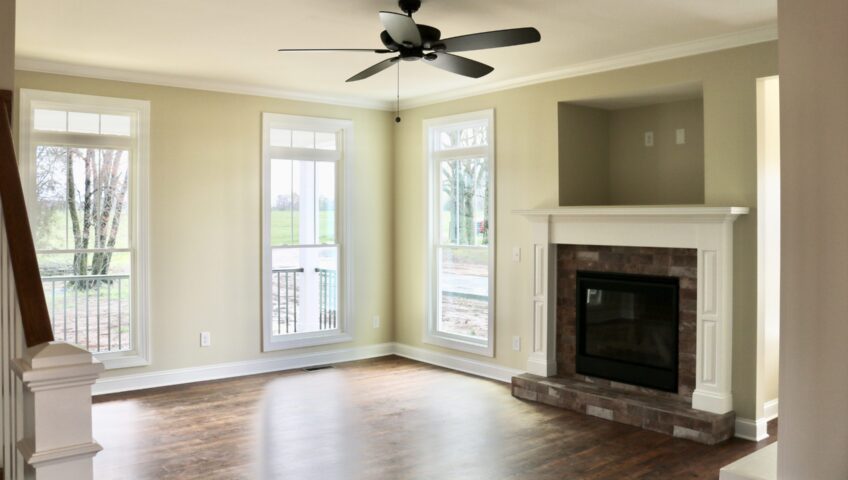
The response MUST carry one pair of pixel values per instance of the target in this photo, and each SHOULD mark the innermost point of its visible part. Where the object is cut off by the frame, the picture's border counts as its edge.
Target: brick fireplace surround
(692, 243)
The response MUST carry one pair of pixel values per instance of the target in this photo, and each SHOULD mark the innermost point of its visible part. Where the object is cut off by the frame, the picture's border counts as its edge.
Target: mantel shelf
(691, 211)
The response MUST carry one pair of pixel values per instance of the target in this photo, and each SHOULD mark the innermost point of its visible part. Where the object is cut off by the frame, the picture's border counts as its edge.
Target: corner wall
(814, 250)
(528, 177)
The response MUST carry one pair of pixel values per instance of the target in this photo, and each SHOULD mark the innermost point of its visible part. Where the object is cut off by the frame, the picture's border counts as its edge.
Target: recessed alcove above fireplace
(666, 272)
(633, 148)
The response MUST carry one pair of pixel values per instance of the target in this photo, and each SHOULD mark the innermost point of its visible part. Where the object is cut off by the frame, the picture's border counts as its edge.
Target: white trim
(140, 381)
(432, 162)
(455, 362)
(753, 430)
(668, 52)
(343, 156)
(164, 378)
(177, 81)
(139, 196)
(770, 410)
(632, 59)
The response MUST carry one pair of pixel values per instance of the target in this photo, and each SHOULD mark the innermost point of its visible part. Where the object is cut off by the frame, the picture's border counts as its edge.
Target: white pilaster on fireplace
(707, 229)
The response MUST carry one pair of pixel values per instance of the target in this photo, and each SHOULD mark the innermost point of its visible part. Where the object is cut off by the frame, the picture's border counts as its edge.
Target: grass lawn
(285, 227)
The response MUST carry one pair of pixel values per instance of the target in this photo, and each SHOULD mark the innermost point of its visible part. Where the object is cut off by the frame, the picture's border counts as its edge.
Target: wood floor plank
(387, 418)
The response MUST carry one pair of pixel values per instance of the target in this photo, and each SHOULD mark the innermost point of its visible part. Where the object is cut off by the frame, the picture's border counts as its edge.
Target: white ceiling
(231, 44)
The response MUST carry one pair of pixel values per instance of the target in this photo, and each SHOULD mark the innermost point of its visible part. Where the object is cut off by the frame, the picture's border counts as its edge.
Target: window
(84, 163)
(304, 272)
(460, 151)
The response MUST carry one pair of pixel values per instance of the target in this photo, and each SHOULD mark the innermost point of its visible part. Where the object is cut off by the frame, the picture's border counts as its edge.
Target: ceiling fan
(411, 42)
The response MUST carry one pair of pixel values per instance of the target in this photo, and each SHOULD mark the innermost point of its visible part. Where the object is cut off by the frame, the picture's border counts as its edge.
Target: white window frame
(343, 156)
(432, 172)
(139, 221)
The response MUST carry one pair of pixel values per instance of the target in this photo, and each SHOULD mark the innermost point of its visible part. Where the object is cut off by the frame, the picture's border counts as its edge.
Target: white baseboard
(770, 410)
(455, 362)
(218, 371)
(753, 430)
(141, 381)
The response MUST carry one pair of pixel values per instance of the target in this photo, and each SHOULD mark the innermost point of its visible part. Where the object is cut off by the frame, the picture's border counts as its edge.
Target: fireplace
(627, 328)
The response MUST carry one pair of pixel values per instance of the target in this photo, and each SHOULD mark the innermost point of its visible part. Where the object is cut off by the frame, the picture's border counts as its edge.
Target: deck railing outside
(286, 296)
(326, 299)
(92, 311)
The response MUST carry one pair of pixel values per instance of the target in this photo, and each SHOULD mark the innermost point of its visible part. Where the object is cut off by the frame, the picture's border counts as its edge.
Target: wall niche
(644, 148)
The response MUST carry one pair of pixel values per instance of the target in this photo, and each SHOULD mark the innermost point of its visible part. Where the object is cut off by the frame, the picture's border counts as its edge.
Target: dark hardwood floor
(387, 418)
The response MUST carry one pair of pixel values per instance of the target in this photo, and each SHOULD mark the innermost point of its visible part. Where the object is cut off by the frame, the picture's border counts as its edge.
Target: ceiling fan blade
(401, 28)
(457, 64)
(495, 39)
(373, 50)
(376, 68)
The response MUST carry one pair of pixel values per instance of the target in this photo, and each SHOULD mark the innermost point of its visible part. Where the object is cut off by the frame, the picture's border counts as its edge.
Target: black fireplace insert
(627, 328)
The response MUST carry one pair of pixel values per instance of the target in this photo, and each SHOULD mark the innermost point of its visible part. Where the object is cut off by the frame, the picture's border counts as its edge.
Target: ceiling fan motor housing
(429, 39)
(409, 6)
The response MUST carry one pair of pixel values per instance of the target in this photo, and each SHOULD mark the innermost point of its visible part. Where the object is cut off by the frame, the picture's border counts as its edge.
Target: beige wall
(205, 217)
(7, 44)
(814, 260)
(584, 147)
(666, 173)
(527, 172)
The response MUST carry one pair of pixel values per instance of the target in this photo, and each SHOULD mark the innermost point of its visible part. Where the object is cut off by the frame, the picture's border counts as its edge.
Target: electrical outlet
(649, 139)
(516, 343)
(680, 136)
(205, 339)
(516, 254)
(376, 321)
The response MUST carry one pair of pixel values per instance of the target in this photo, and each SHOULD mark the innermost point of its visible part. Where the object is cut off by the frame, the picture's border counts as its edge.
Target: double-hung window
(84, 167)
(304, 270)
(460, 172)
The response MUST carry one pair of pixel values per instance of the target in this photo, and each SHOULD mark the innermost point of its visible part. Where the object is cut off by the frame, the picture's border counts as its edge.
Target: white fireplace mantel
(705, 228)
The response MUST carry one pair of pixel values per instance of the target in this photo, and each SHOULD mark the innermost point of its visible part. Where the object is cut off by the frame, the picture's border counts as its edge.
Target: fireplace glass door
(627, 328)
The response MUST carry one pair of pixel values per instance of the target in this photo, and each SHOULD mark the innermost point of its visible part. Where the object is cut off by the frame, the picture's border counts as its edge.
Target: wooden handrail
(34, 314)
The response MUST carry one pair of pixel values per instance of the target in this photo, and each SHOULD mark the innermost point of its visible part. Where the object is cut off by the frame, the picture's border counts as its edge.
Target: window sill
(461, 345)
(288, 342)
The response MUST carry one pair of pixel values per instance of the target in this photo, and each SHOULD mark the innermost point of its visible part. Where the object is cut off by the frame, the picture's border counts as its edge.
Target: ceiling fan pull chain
(397, 102)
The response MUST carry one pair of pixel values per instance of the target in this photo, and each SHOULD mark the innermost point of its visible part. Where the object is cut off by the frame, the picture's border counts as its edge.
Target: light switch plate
(516, 343)
(649, 139)
(680, 136)
(205, 339)
(376, 321)
(516, 254)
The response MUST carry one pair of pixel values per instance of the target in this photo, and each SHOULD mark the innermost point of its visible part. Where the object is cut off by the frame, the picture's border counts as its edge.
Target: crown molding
(114, 74)
(632, 59)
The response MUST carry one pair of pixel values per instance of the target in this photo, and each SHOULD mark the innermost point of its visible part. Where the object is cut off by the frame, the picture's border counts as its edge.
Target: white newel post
(57, 379)
(707, 229)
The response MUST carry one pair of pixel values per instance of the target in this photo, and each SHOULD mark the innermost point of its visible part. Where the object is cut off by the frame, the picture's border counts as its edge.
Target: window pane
(325, 173)
(304, 290)
(292, 202)
(79, 122)
(280, 137)
(325, 140)
(64, 219)
(302, 139)
(463, 137)
(89, 298)
(464, 202)
(464, 292)
(50, 120)
(115, 125)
